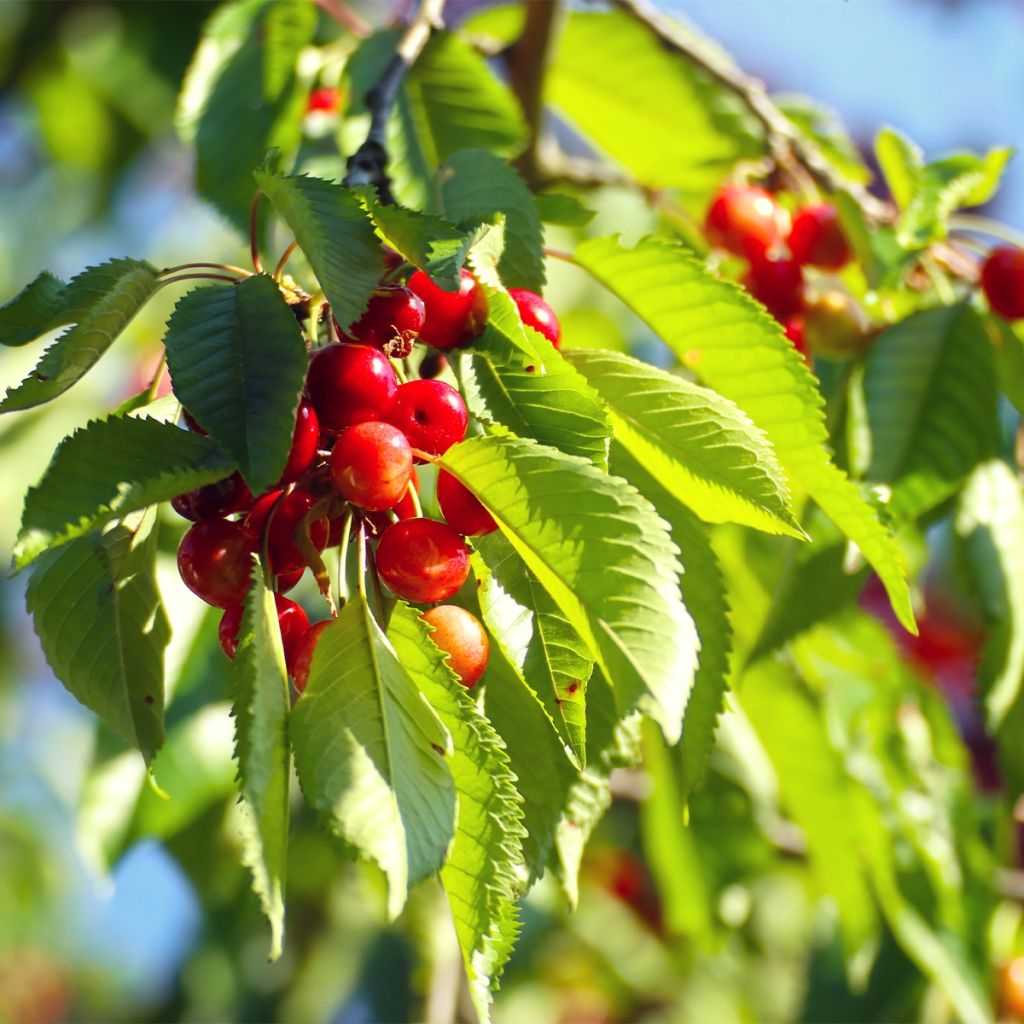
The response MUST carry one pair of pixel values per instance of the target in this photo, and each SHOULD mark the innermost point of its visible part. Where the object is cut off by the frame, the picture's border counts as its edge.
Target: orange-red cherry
(745, 220)
(460, 634)
(453, 319)
(371, 465)
(430, 413)
(817, 238)
(536, 313)
(422, 560)
(461, 509)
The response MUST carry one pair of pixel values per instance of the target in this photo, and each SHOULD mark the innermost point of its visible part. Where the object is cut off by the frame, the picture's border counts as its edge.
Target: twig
(211, 266)
(285, 256)
(254, 244)
(345, 17)
(786, 144)
(528, 60)
(198, 277)
(368, 164)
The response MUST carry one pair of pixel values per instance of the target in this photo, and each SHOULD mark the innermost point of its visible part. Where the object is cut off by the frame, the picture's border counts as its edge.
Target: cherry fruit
(461, 509)
(303, 656)
(215, 561)
(817, 238)
(422, 560)
(430, 413)
(325, 100)
(214, 500)
(405, 509)
(778, 284)
(392, 320)
(536, 313)
(305, 442)
(460, 634)
(288, 514)
(835, 326)
(453, 319)
(371, 465)
(1002, 280)
(349, 384)
(745, 220)
(290, 616)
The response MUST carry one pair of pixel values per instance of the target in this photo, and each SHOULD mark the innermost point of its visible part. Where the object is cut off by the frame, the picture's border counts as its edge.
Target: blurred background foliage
(116, 904)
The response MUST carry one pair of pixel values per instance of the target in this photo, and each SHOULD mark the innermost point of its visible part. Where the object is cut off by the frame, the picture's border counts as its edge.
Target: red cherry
(536, 313)
(460, 635)
(287, 580)
(777, 284)
(291, 618)
(288, 514)
(215, 561)
(191, 422)
(371, 465)
(214, 500)
(303, 657)
(392, 320)
(422, 560)
(817, 237)
(794, 330)
(461, 509)
(430, 413)
(326, 99)
(305, 442)
(454, 319)
(745, 220)
(405, 509)
(1002, 279)
(350, 384)
(433, 364)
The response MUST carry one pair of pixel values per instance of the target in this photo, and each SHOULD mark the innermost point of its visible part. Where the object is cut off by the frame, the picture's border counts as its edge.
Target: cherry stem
(345, 17)
(414, 497)
(425, 456)
(346, 535)
(285, 256)
(361, 576)
(230, 267)
(254, 245)
(198, 277)
(985, 226)
(154, 384)
(558, 254)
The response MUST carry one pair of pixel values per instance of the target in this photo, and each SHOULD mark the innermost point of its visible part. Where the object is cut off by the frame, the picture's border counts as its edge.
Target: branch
(345, 17)
(527, 61)
(786, 144)
(368, 164)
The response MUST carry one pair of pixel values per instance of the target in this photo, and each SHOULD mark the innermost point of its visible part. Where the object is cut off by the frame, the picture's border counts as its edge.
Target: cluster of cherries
(1002, 281)
(749, 221)
(358, 436)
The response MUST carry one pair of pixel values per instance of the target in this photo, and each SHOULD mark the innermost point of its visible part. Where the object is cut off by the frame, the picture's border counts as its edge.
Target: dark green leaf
(238, 364)
(98, 616)
(36, 309)
(567, 211)
(100, 302)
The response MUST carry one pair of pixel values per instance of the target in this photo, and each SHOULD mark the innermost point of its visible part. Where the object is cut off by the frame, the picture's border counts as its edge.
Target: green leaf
(334, 231)
(565, 211)
(242, 97)
(100, 302)
(108, 469)
(603, 555)
(536, 757)
(238, 364)
(534, 393)
(549, 656)
(36, 309)
(722, 335)
(710, 456)
(990, 527)
(371, 755)
(823, 127)
(261, 690)
(473, 187)
(98, 616)
(1008, 348)
(932, 403)
(651, 110)
(901, 161)
(704, 595)
(480, 874)
(945, 185)
(816, 793)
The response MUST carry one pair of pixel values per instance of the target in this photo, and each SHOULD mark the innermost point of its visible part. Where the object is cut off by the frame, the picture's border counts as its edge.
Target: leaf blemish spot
(438, 750)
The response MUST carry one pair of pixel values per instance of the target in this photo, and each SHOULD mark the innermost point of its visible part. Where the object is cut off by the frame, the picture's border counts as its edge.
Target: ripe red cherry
(430, 413)
(460, 634)
(422, 560)
(433, 364)
(215, 561)
(303, 656)
(285, 554)
(326, 99)
(405, 509)
(1002, 279)
(461, 509)
(745, 220)
(291, 618)
(454, 319)
(350, 384)
(536, 313)
(795, 331)
(392, 320)
(817, 237)
(371, 465)
(214, 500)
(305, 442)
(778, 284)
(287, 580)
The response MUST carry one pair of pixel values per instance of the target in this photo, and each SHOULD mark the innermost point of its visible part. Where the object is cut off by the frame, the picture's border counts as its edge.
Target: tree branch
(345, 17)
(368, 164)
(527, 61)
(785, 143)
